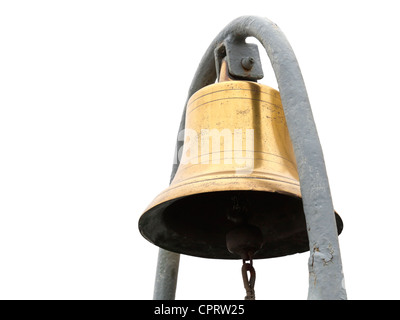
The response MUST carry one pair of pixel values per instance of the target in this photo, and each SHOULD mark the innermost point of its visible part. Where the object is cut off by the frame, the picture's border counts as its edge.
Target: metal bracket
(243, 59)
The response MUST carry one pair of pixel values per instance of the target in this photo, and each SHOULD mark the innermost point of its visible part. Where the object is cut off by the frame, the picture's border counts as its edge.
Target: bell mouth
(197, 224)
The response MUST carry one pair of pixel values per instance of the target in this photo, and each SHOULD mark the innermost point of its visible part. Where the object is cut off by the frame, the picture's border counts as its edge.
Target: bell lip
(217, 183)
(156, 212)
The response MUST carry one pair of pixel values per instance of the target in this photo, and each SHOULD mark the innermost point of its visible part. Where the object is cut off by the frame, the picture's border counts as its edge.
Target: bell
(237, 171)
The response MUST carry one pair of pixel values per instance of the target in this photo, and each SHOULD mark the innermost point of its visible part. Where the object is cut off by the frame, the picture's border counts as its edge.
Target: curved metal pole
(326, 280)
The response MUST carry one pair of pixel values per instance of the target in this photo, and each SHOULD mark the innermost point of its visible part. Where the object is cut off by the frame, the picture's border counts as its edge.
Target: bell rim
(266, 183)
(157, 210)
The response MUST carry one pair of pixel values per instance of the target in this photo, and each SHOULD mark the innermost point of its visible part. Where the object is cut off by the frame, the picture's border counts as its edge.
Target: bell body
(237, 167)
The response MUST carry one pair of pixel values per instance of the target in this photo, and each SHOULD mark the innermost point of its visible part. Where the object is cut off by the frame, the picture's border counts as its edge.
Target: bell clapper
(244, 240)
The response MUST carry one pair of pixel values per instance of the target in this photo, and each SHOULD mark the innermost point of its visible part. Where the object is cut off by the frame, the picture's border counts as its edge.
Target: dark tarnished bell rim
(158, 228)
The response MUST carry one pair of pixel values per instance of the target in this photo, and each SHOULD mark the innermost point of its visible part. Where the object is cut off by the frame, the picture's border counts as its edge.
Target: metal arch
(326, 279)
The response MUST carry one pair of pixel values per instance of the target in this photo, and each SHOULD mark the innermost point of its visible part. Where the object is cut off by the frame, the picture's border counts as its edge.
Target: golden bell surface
(237, 166)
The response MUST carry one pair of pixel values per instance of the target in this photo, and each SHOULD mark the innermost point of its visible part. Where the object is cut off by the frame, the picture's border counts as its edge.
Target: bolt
(248, 63)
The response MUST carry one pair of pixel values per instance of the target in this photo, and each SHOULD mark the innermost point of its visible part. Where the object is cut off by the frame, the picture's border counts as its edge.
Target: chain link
(249, 282)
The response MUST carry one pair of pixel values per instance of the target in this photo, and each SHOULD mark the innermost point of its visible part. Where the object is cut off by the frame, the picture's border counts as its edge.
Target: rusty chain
(249, 282)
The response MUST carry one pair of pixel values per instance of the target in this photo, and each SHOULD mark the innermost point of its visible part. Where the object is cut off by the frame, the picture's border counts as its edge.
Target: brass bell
(237, 169)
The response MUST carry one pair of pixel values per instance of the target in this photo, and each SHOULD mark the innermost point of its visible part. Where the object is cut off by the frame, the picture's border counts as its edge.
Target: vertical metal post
(166, 275)
(168, 262)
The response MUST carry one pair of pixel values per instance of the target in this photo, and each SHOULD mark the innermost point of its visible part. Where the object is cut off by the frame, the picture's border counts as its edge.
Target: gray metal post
(326, 280)
(166, 275)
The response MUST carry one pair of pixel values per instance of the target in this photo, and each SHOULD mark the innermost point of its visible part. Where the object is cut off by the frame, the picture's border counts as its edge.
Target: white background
(91, 96)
